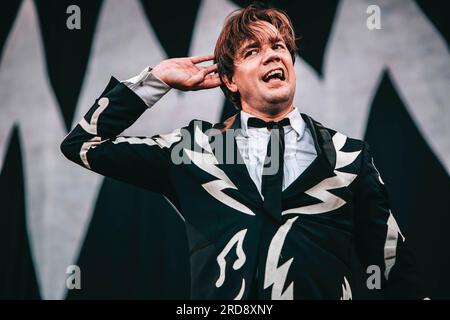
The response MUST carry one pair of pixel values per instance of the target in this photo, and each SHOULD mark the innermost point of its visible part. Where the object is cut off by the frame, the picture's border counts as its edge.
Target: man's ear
(229, 83)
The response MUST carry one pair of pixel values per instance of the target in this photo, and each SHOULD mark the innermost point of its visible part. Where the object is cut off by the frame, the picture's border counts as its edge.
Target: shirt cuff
(147, 86)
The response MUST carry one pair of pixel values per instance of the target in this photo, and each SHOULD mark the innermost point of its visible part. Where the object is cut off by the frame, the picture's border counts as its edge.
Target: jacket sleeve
(94, 142)
(379, 241)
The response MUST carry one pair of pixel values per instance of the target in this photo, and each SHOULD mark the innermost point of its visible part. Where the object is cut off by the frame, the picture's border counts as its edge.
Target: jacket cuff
(147, 86)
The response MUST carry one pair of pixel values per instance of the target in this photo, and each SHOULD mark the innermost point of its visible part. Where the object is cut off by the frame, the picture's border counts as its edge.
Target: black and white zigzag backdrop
(390, 86)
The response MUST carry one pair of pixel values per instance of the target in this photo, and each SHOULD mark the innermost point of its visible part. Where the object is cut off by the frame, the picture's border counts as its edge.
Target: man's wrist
(148, 86)
(158, 72)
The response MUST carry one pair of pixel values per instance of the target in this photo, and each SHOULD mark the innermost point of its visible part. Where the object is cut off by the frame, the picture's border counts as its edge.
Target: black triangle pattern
(135, 248)
(437, 11)
(67, 51)
(7, 17)
(17, 274)
(173, 27)
(416, 181)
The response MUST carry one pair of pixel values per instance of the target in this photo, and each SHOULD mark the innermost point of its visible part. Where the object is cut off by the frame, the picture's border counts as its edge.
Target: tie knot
(259, 123)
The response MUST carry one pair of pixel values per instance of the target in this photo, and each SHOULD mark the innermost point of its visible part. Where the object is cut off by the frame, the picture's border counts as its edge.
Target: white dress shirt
(299, 150)
(252, 142)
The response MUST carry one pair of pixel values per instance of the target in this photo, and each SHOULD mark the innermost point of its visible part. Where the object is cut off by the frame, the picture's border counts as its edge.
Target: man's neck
(268, 117)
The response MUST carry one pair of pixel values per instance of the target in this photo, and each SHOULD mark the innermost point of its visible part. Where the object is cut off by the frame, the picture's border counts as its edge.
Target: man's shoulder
(195, 124)
(210, 128)
(337, 136)
(198, 128)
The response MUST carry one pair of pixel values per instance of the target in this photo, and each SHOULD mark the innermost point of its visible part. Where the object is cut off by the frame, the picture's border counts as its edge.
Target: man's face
(264, 73)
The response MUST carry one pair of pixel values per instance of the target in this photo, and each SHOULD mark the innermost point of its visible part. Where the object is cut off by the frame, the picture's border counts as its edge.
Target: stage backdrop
(389, 85)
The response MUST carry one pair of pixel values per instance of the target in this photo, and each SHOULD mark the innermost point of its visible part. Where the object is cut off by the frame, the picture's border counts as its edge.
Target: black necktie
(272, 179)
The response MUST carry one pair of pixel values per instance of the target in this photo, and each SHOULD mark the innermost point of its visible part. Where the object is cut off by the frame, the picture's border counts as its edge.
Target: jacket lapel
(321, 168)
(232, 163)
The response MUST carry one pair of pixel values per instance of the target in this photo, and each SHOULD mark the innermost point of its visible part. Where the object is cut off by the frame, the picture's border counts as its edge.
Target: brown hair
(240, 26)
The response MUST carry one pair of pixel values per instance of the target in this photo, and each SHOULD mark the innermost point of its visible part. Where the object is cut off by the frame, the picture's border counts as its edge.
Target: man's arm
(95, 144)
(379, 240)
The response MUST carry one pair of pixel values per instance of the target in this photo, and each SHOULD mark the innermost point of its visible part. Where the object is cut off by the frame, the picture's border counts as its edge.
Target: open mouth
(274, 74)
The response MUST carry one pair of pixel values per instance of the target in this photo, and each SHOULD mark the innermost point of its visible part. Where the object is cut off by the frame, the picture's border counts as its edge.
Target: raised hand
(184, 74)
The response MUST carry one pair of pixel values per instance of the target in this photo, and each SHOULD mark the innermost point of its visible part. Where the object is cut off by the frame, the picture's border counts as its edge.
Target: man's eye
(278, 46)
(250, 53)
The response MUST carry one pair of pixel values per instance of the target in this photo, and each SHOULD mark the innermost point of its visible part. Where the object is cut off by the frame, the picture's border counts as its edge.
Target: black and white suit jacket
(239, 251)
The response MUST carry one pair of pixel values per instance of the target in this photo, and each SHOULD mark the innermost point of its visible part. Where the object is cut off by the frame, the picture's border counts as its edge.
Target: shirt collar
(295, 118)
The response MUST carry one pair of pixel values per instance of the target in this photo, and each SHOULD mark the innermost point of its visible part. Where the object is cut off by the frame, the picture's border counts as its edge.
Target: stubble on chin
(278, 103)
(276, 107)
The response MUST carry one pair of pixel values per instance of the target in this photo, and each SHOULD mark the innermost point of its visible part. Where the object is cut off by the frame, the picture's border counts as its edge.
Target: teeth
(274, 72)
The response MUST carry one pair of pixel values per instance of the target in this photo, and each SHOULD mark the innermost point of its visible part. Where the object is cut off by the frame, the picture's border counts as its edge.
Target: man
(280, 219)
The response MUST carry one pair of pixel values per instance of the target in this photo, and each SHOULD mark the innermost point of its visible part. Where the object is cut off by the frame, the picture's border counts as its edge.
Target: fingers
(204, 73)
(205, 77)
(211, 81)
(199, 59)
(209, 69)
